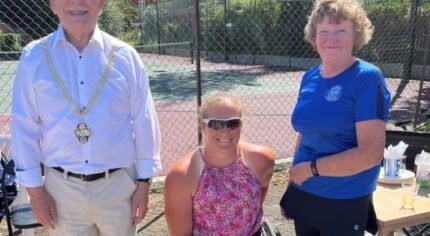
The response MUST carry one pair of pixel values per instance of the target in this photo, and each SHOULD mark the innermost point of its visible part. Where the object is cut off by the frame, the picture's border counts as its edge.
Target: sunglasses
(218, 124)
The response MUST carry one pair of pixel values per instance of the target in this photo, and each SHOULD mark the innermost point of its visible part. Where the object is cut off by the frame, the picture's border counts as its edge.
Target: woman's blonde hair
(219, 98)
(338, 10)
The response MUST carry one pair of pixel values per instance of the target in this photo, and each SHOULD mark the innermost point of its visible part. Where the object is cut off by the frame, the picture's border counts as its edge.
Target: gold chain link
(66, 93)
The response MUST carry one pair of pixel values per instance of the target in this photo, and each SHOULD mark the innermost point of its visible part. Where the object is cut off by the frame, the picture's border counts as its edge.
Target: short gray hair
(338, 10)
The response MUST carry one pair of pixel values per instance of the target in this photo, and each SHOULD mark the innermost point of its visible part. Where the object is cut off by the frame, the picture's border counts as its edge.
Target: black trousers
(314, 215)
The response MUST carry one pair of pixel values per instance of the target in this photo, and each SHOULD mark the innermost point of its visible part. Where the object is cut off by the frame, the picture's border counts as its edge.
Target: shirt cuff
(29, 178)
(147, 168)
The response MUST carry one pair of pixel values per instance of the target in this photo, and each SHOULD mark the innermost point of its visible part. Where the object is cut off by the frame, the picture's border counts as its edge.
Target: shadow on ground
(181, 86)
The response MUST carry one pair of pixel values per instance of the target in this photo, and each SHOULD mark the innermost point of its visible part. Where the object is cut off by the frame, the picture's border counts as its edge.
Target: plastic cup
(409, 195)
(393, 167)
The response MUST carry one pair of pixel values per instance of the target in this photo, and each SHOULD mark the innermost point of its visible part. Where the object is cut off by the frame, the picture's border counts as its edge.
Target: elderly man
(83, 108)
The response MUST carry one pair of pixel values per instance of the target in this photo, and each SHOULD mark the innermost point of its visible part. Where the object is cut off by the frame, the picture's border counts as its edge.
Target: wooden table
(387, 200)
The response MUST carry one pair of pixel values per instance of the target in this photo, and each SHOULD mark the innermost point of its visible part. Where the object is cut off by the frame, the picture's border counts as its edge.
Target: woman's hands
(300, 172)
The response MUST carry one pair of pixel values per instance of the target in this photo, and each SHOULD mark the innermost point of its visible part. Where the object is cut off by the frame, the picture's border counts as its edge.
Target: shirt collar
(60, 36)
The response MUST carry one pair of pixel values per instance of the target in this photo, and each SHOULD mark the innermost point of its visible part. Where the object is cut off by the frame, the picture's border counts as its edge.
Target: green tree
(112, 20)
(118, 18)
(32, 17)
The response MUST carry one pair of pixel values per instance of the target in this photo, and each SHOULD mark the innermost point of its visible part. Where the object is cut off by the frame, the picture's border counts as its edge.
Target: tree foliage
(32, 17)
(257, 26)
(9, 42)
(35, 19)
(118, 17)
(112, 19)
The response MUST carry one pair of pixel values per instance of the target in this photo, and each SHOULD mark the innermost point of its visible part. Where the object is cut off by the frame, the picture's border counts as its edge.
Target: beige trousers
(100, 207)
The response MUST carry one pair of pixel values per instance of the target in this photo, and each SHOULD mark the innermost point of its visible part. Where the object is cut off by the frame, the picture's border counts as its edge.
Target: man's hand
(140, 202)
(43, 206)
(300, 172)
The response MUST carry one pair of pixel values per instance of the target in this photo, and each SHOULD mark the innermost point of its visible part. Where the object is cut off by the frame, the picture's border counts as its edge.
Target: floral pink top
(227, 201)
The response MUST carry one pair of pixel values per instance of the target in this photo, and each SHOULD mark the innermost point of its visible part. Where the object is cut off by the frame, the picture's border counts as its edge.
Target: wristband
(314, 168)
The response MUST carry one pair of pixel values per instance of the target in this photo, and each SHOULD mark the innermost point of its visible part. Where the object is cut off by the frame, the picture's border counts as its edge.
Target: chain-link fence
(252, 48)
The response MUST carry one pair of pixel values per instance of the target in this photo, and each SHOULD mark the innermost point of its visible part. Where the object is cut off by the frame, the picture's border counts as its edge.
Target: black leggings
(314, 215)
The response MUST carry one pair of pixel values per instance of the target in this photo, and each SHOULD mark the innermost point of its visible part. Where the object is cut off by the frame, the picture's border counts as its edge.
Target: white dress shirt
(123, 123)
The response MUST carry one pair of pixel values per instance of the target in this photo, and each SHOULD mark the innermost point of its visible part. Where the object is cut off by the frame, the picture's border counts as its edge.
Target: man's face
(77, 16)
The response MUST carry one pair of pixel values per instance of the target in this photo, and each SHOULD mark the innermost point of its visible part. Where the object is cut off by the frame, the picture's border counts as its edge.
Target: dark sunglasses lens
(221, 124)
(216, 124)
(233, 124)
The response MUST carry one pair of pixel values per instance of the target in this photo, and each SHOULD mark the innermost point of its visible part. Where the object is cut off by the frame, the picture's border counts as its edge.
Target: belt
(84, 177)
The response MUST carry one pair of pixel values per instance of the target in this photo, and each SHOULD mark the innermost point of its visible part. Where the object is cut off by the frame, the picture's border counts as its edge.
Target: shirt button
(86, 161)
(84, 108)
(80, 57)
(82, 82)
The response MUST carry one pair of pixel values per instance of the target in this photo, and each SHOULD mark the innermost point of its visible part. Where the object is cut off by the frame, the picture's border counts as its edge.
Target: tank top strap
(242, 158)
(201, 164)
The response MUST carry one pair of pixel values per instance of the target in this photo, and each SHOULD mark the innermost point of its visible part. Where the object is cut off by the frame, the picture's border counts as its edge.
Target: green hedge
(9, 46)
(9, 42)
(275, 27)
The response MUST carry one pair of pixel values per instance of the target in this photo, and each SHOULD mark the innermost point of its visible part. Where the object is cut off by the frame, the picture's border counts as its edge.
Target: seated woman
(219, 188)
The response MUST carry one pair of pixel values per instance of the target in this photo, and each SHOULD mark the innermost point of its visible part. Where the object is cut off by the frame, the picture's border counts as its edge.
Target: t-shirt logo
(333, 94)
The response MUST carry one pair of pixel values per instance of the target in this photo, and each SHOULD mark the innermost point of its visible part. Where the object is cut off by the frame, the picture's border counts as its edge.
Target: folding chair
(8, 187)
(268, 229)
(20, 216)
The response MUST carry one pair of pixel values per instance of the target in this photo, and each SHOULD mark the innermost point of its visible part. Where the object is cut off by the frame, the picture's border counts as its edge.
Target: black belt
(84, 177)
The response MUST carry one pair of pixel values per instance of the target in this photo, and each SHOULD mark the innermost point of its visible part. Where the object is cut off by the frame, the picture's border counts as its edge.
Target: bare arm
(178, 203)
(267, 173)
(369, 152)
(299, 138)
(261, 161)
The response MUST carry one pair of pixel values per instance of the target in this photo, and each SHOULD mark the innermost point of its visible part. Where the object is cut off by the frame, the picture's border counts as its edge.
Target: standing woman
(340, 116)
(219, 188)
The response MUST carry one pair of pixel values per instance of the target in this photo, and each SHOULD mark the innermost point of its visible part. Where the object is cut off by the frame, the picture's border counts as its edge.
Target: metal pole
(254, 29)
(226, 49)
(192, 52)
(198, 72)
(206, 30)
(158, 28)
(141, 9)
(407, 72)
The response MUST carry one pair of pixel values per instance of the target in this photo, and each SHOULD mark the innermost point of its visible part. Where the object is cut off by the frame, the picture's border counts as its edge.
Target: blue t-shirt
(325, 115)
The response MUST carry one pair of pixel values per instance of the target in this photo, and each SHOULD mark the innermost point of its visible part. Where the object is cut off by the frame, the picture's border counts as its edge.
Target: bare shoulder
(258, 154)
(182, 172)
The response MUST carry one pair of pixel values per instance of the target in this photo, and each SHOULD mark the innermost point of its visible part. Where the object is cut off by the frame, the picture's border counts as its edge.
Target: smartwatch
(314, 168)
